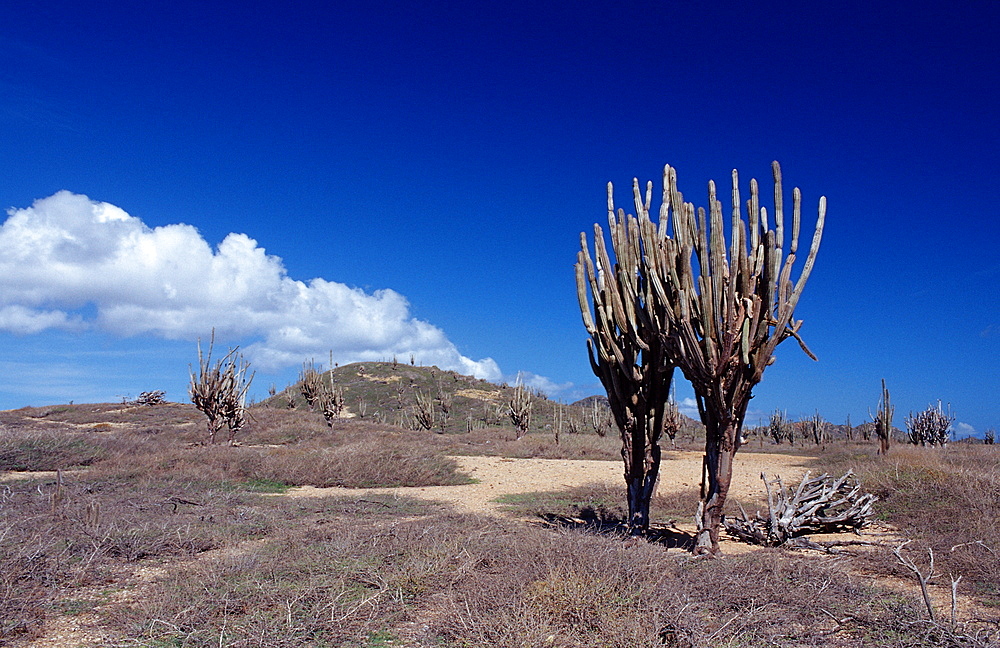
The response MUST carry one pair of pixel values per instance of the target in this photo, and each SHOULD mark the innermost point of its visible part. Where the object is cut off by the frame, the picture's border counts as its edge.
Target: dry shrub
(364, 463)
(944, 498)
(501, 442)
(48, 547)
(47, 449)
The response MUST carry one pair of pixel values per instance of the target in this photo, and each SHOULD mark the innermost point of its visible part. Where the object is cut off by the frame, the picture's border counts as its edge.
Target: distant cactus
(519, 409)
(779, 428)
(219, 391)
(882, 421)
(310, 384)
(929, 427)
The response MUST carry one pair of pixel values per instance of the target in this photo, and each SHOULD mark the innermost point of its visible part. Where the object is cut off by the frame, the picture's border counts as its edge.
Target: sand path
(497, 476)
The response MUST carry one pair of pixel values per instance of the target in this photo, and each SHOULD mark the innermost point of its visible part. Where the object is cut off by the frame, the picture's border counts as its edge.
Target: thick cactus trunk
(717, 476)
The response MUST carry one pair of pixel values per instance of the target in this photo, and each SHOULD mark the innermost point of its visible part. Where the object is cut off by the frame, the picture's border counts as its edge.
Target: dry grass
(381, 571)
(947, 499)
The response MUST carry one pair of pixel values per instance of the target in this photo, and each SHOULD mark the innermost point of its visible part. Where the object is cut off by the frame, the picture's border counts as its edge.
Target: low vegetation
(148, 536)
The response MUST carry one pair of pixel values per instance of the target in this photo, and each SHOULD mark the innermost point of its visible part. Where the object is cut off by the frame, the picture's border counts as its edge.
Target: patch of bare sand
(497, 476)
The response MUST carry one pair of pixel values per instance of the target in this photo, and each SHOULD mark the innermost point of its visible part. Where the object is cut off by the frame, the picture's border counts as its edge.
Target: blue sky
(400, 178)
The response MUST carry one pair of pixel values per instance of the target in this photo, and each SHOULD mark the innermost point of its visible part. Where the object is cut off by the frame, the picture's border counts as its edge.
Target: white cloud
(67, 251)
(689, 407)
(545, 385)
(963, 430)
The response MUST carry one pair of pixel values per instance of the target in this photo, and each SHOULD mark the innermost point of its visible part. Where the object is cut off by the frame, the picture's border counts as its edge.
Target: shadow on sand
(600, 522)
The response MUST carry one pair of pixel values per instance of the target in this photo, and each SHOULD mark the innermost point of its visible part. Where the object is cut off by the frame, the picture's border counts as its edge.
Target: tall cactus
(681, 298)
(626, 345)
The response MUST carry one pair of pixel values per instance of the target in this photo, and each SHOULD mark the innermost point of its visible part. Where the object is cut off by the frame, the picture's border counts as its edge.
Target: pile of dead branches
(819, 505)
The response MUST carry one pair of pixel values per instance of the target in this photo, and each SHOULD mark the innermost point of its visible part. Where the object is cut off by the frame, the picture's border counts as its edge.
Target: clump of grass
(362, 463)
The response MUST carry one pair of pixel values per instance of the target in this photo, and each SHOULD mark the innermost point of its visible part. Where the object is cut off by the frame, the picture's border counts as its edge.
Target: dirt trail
(498, 476)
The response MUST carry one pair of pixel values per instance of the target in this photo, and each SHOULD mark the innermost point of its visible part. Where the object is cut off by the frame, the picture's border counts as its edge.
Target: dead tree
(219, 390)
(819, 505)
(882, 420)
(676, 297)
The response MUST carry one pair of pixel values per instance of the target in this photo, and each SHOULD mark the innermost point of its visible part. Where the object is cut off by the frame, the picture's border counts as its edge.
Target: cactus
(219, 391)
(310, 384)
(519, 409)
(779, 428)
(676, 297)
(882, 421)
(930, 427)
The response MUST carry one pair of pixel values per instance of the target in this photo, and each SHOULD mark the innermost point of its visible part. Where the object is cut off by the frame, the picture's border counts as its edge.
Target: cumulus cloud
(545, 385)
(689, 407)
(67, 252)
(964, 430)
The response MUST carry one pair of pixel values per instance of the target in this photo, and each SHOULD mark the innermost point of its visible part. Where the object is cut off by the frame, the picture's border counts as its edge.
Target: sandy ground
(498, 476)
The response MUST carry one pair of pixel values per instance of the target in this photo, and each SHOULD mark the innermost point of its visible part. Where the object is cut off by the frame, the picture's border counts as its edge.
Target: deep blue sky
(452, 153)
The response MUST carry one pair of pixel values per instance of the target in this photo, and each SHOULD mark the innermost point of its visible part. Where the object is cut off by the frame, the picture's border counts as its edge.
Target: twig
(921, 578)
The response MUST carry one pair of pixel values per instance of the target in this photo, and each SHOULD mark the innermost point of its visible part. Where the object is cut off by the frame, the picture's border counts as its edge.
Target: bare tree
(675, 296)
(219, 390)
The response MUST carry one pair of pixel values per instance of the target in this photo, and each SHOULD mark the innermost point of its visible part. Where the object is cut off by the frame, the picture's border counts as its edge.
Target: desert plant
(882, 420)
(424, 409)
(219, 390)
(310, 384)
(600, 418)
(519, 409)
(989, 436)
(779, 428)
(672, 421)
(676, 298)
(445, 401)
(155, 397)
(929, 427)
(817, 428)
